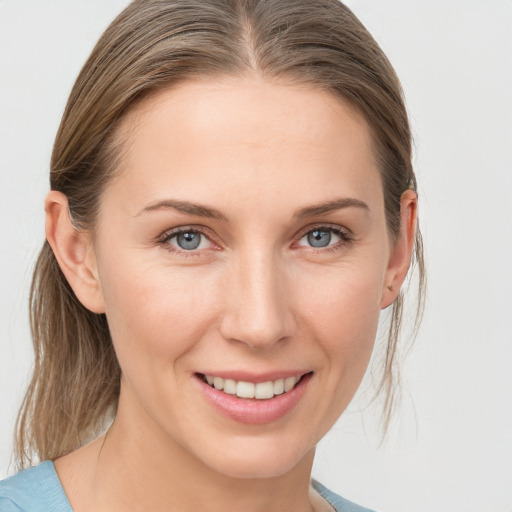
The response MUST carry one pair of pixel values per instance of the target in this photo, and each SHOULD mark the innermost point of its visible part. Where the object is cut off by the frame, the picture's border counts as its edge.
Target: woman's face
(244, 239)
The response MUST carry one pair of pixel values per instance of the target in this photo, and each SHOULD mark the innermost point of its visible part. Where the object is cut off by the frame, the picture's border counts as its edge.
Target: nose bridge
(259, 312)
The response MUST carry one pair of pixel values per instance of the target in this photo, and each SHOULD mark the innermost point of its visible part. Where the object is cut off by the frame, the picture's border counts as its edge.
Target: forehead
(247, 136)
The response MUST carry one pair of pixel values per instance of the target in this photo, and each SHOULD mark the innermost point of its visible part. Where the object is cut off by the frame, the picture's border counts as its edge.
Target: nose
(258, 309)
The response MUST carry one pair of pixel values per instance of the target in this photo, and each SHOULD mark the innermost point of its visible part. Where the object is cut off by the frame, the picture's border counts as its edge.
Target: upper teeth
(260, 390)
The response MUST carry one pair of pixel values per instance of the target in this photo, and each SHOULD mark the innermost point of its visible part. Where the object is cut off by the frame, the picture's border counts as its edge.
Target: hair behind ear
(76, 374)
(389, 382)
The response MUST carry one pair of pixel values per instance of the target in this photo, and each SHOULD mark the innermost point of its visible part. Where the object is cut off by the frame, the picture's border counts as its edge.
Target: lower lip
(250, 410)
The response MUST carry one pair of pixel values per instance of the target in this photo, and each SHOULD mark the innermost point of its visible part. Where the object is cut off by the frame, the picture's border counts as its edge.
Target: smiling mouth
(256, 390)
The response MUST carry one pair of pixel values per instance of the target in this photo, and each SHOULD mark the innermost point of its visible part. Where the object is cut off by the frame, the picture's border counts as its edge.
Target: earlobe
(401, 251)
(73, 251)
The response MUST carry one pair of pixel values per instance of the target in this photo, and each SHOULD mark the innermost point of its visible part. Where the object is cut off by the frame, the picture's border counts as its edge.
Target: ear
(73, 251)
(401, 250)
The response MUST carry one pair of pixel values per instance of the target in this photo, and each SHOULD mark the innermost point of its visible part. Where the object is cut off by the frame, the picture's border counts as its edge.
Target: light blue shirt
(38, 489)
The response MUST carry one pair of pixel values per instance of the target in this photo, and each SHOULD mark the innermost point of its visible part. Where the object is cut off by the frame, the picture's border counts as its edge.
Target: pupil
(188, 240)
(319, 238)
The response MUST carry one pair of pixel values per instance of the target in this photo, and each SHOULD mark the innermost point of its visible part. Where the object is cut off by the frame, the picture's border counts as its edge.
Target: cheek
(156, 315)
(341, 308)
(343, 298)
(340, 311)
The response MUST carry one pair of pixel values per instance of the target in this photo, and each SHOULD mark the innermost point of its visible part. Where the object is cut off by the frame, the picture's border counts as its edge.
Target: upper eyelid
(168, 234)
(206, 231)
(327, 226)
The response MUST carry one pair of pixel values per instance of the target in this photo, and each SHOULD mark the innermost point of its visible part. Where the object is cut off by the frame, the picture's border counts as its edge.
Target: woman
(232, 205)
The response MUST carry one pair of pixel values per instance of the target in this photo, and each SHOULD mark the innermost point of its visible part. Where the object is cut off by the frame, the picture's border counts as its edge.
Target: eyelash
(345, 239)
(163, 240)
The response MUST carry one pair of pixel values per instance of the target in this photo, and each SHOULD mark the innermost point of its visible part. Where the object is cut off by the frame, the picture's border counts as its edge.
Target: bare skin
(279, 187)
(82, 471)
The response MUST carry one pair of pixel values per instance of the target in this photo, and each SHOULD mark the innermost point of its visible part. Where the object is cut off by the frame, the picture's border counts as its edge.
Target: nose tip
(258, 332)
(258, 312)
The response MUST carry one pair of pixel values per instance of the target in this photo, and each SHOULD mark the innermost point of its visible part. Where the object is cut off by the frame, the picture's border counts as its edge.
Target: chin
(259, 462)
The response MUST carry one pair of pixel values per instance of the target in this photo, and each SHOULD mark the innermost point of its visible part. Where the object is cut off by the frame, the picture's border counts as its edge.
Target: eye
(186, 240)
(322, 237)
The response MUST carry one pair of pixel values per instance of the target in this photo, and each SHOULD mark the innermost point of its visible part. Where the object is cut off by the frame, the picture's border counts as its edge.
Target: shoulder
(35, 489)
(338, 503)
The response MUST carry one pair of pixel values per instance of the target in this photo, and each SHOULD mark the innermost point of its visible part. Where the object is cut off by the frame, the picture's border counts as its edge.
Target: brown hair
(151, 45)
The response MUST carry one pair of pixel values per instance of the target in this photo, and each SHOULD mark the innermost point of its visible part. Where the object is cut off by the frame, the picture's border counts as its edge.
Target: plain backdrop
(450, 445)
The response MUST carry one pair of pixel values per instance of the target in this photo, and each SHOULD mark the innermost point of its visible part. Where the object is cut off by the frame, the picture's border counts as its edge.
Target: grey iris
(188, 240)
(319, 238)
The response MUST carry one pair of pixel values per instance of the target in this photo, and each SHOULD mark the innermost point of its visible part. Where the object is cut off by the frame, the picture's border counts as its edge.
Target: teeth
(289, 383)
(264, 390)
(259, 391)
(218, 383)
(245, 389)
(279, 387)
(230, 387)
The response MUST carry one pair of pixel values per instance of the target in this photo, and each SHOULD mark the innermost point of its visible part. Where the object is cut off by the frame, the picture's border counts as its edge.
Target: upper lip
(254, 377)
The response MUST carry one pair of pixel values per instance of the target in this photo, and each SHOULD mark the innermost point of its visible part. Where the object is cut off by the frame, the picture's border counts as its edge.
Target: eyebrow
(185, 207)
(212, 213)
(330, 206)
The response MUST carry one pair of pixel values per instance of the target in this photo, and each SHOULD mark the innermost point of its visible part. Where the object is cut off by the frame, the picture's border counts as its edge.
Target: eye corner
(325, 234)
(190, 241)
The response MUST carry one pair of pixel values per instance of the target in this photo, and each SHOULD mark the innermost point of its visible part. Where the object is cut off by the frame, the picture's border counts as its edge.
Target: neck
(150, 471)
(170, 478)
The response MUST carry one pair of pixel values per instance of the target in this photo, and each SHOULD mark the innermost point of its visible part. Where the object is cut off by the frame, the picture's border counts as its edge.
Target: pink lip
(252, 411)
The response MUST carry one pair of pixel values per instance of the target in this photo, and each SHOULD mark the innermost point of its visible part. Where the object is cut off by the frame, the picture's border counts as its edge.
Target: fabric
(38, 489)
(338, 503)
